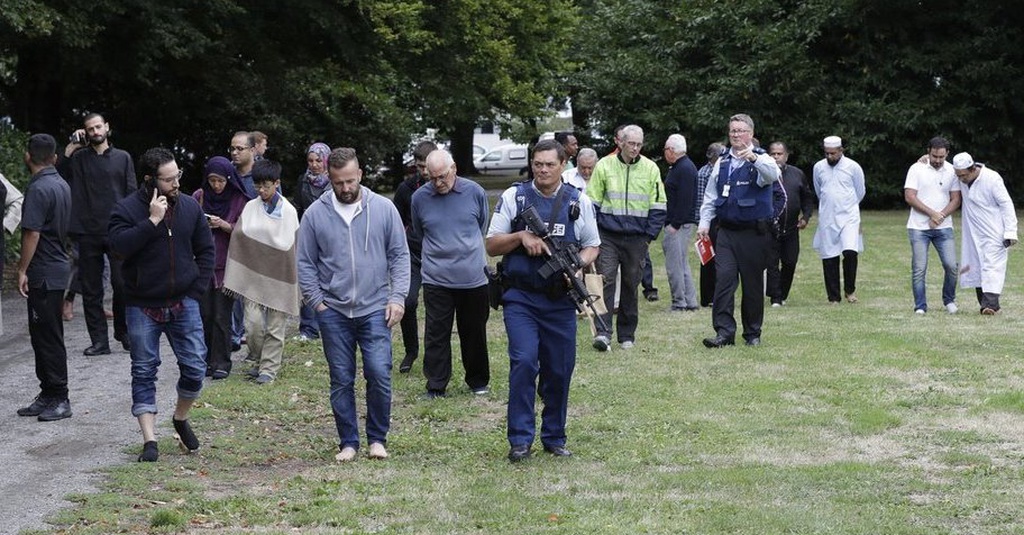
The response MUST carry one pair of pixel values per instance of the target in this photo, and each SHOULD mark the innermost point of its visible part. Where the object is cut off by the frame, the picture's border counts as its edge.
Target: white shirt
(348, 212)
(933, 188)
(573, 178)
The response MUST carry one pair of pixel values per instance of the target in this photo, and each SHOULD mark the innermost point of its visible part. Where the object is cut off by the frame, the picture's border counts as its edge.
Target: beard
(346, 197)
(97, 140)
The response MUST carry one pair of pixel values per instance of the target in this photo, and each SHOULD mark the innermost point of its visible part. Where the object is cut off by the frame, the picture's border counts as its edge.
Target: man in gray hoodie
(354, 273)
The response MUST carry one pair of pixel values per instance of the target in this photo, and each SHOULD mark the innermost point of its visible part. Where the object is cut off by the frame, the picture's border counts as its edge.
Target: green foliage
(12, 167)
(167, 518)
(885, 76)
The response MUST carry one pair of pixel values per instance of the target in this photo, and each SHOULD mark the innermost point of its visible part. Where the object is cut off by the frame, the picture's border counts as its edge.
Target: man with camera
(540, 317)
(100, 175)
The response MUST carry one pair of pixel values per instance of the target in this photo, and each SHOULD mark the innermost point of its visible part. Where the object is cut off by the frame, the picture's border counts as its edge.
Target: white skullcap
(963, 161)
(833, 142)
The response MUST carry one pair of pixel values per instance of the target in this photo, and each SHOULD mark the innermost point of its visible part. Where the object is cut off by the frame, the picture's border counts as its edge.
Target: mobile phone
(208, 217)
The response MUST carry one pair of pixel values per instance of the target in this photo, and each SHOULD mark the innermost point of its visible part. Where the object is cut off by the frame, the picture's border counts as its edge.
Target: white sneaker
(601, 343)
(776, 305)
(628, 344)
(919, 311)
(952, 308)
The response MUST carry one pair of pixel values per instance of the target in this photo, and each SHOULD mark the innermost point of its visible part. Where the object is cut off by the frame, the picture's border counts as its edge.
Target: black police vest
(747, 202)
(522, 268)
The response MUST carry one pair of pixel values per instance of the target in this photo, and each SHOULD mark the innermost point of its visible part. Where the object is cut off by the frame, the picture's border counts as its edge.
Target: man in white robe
(989, 229)
(839, 184)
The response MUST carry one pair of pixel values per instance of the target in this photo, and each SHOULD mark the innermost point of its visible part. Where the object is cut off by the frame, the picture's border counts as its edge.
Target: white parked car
(503, 160)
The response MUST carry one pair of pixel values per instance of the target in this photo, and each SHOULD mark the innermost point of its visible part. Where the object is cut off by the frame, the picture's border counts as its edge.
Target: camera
(77, 138)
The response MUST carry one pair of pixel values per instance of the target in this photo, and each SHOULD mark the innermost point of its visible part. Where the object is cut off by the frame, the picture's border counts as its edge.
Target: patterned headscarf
(323, 151)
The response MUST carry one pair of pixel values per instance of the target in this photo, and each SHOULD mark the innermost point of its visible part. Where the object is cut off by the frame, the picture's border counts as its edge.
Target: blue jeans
(340, 336)
(307, 322)
(184, 331)
(942, 239)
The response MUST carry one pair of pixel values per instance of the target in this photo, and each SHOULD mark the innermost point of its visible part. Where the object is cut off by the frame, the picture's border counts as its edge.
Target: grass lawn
(856, 419)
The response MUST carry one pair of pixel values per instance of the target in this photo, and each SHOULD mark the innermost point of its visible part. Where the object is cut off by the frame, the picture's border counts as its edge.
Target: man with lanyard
(739, 194)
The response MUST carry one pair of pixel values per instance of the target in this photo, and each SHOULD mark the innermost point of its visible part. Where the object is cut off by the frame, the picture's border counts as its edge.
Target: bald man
(450, 213)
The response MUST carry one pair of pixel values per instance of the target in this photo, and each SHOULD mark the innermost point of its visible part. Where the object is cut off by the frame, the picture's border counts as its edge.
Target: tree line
(374, 74)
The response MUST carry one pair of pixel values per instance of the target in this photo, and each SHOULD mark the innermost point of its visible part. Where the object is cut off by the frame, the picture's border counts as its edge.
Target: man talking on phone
(739, 194)
(168, 255)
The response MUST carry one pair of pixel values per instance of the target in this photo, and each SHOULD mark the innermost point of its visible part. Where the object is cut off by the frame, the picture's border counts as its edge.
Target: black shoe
(36, 408)
(718, 341)
(651, 295)
(99, 348)
(755, 341)
(558, 451)
(220, 374)
(434, 394)
(253, 373)
(406, 365)
(235, 347)
(518, 453)
(185, 434)
(56, 411)
(126, 345)
(150, 452)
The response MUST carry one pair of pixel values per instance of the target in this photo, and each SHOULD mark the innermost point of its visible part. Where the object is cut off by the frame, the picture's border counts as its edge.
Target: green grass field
(854, 419)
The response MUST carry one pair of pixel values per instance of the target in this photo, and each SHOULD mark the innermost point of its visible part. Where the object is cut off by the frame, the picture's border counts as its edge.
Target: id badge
(725, 190)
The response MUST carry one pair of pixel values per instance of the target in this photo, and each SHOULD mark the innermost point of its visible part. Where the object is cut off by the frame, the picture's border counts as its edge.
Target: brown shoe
(852, 298)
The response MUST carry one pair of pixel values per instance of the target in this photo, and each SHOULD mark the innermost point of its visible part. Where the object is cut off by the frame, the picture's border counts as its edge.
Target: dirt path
(41, 463)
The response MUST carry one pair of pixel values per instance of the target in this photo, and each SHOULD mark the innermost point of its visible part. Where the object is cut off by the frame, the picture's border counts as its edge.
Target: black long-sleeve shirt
(799, 199)
(98, 182)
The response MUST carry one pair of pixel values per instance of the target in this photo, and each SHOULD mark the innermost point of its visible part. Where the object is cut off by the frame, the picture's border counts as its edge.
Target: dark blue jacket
(681, 191)
(164, 263)
(746, 202)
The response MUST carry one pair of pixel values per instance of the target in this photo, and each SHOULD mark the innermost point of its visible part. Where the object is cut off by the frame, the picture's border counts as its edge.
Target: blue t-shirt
(452, 227)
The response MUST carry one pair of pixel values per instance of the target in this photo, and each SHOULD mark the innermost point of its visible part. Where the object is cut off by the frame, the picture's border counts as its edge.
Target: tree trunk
(462, 148)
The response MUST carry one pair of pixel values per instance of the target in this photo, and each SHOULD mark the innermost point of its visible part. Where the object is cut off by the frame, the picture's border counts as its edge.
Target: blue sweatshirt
(354, 269)
(162, 263)
(452, 229)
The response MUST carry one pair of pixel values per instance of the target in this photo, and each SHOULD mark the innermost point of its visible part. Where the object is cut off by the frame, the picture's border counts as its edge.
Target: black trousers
(830, 266)
(410, 327)
(215, 308)
(784, 251)
(91, 250)
(740, 258)
(707, 271)
(623, 253)
(469, 309)
(46, 332)
(987, 299)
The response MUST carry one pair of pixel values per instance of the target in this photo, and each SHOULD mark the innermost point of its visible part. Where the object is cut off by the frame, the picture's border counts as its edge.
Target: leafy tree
(886, 76)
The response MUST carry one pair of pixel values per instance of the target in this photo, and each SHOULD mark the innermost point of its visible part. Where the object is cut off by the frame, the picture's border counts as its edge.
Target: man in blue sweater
(354, 273)
(449, 214)
(168, 255)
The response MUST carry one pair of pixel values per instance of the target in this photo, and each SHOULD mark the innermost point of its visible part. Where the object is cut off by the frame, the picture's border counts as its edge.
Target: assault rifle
(564, 260)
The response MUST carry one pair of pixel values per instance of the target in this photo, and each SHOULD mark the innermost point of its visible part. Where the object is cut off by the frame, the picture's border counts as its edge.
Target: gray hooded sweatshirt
(354, 269)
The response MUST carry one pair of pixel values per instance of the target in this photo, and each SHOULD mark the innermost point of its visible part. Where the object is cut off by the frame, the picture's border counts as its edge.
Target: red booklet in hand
(705, 251)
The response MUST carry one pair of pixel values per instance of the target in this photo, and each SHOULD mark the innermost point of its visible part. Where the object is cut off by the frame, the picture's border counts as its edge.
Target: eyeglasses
(172, 179)
(237, 149)
(737, 131)
(441, 178)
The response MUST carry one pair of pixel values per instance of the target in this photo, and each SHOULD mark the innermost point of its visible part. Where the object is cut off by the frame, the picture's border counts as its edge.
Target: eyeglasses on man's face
(171, 179)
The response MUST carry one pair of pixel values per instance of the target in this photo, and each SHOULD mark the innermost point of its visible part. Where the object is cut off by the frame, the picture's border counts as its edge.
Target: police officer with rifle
(539, 313)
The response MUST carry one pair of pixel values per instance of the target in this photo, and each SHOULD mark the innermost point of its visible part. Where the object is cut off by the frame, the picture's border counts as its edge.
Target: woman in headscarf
(222, 199)
(312, 184)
